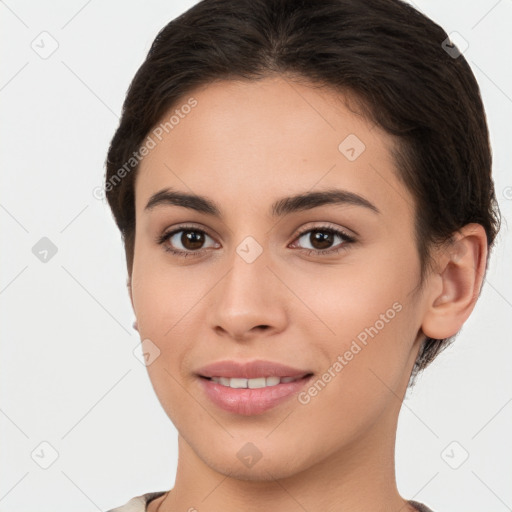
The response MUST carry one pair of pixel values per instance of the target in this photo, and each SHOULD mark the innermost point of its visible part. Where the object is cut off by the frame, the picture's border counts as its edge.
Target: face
(327, 285)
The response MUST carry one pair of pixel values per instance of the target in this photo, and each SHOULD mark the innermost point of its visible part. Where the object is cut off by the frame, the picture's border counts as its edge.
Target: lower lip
(248, 402)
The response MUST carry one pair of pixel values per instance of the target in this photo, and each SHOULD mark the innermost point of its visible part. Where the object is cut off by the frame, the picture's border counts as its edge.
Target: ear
(460, 270)
(129, 286)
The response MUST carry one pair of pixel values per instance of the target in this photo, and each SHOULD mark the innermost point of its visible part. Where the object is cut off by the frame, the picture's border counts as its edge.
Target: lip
(250, 402)
(250, 369)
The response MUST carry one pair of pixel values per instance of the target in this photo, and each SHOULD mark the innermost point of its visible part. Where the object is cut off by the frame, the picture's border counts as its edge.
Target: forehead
(260, 139)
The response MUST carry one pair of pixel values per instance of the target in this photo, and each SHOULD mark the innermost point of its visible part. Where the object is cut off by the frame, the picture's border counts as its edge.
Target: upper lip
(250, 369)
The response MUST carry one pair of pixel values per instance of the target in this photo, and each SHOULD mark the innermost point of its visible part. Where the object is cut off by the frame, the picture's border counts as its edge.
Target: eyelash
(347, 239)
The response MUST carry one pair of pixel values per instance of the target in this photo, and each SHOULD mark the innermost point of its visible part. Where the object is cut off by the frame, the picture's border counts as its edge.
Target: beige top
(139, 503)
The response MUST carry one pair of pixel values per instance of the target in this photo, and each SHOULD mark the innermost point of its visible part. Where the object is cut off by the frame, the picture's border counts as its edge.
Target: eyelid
(184, 226)
(319, 225)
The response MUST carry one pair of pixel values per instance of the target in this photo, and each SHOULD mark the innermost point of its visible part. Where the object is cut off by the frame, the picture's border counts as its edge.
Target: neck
(359, 478)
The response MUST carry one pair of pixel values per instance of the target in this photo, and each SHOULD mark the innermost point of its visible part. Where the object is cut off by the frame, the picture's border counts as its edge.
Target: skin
(245, 145)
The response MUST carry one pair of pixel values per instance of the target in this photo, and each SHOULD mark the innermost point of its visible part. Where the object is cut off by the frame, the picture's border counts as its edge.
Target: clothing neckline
(150, 496)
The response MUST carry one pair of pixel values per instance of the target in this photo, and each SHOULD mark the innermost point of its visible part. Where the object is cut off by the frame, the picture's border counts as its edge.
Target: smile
(248, 397)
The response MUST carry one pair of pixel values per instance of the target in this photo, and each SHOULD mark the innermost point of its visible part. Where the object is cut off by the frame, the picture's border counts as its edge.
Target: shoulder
(139, 503)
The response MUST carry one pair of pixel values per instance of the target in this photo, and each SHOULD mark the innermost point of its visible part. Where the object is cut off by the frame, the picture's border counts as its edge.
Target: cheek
(162, 295)
(367, 359)
(164, 303)
(364, 312)
(168, 306)
(350, 297)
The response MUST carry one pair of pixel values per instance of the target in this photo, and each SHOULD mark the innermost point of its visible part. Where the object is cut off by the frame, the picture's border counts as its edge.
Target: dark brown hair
(398, 63)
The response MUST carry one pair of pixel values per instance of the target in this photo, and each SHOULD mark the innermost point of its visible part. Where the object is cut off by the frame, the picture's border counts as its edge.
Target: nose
(249, 300)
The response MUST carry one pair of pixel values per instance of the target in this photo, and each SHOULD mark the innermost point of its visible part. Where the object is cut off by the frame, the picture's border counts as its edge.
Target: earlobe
(461, 268)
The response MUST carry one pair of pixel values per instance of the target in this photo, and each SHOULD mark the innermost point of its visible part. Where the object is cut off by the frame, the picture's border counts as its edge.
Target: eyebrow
(286, 205)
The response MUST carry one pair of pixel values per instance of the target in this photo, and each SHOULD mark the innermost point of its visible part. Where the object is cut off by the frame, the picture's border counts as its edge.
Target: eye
(190, 238)
(321, 238)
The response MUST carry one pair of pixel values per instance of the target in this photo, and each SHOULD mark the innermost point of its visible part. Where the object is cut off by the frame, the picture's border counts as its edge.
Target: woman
(305, 197)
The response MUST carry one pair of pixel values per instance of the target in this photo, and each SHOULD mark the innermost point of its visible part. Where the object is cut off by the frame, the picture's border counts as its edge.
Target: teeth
(260, 382)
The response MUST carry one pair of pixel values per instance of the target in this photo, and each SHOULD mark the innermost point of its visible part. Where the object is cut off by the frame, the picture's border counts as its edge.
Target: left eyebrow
(308, 200)
(284, 206)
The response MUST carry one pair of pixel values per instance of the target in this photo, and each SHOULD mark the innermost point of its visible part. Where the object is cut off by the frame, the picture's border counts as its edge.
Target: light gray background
(68, 373)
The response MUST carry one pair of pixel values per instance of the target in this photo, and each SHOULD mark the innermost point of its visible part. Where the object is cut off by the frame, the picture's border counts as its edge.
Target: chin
(256, 460)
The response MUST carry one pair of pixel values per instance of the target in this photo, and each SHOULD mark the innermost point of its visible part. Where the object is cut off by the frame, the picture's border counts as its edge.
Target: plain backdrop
(74, 396)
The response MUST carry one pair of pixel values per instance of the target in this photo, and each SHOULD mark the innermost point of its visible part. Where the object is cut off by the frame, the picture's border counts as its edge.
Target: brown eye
(321, 239)
(192, 240)
(185, 241)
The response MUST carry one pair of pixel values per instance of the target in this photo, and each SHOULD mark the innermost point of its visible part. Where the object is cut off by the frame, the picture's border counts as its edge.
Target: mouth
(250, 397)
